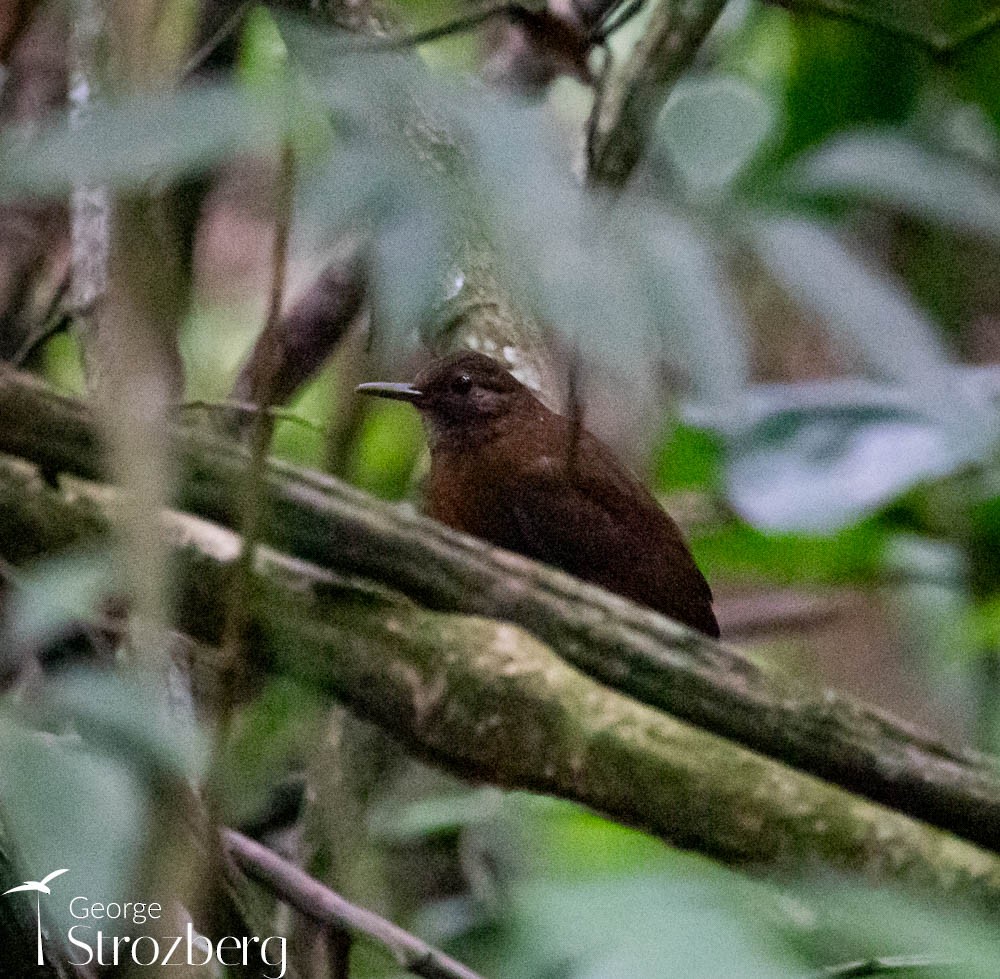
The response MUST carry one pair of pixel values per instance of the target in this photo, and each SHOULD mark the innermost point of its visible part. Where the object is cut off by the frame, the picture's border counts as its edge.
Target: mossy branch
(488, 701)
(638, 652)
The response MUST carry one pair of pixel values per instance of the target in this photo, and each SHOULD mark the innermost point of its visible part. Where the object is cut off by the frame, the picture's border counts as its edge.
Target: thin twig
(230, 405)
(238, 611)
(324, 906)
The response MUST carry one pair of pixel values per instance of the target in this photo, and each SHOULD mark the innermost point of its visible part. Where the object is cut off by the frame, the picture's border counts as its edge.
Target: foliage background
(789, 322)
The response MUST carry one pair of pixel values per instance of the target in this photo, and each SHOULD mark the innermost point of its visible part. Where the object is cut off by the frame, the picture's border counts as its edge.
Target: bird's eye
(461, 384)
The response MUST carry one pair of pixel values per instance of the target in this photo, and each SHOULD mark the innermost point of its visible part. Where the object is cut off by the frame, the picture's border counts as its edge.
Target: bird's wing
(53, 875)
(598, 523)
(31, 885)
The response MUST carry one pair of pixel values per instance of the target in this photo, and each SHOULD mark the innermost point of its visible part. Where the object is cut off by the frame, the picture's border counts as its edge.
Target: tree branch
(629, 99)
(488, 701)
(632, 649)
(326, 907)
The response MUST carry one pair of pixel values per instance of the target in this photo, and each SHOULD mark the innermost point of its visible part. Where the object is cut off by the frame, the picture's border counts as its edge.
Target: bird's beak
(398, 392)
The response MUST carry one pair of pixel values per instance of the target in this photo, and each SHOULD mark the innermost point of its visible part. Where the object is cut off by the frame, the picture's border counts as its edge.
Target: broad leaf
(939, 24)
(156, 136)
(815, 467)
(886, 169)
(712, 127)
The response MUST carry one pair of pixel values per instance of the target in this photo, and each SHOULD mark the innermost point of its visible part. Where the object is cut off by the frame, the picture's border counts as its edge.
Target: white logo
(40, 887)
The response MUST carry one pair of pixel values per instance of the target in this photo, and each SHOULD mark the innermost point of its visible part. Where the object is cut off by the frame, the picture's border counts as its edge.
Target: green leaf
(852, 555)
(886, 169)
(53, 594)
(569, 251)
(850, 922)
(133, 721)
(939, 24)
(712, 128)
(67, 806)
(263, 57)
(688, 458)
(643, 924)
(695, 313)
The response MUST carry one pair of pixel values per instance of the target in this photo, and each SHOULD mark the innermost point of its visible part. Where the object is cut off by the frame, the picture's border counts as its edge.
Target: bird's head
(466, 393)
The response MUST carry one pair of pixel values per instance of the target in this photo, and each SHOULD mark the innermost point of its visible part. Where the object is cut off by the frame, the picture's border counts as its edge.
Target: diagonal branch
(630, 96)
(487, 701)
(326, 907)
(636, 651)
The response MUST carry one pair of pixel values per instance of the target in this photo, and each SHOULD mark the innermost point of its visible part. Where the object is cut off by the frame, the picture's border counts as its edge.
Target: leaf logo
(40, 887)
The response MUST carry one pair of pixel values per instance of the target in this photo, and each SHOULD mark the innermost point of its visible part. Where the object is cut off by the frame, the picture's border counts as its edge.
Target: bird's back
(555, 493)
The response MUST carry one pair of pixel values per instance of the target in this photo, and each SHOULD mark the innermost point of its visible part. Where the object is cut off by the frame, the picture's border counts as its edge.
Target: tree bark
(634, 650)
(488, 701)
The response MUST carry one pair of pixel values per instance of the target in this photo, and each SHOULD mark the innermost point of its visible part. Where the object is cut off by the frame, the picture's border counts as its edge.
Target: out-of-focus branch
(292, 348)
(326, 907)
(632, 94)
(268, 358)
(631, 649)
(488, 701)
(33, 54)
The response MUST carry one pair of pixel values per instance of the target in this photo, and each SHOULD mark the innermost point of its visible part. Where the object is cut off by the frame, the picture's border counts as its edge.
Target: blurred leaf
(409, 258)
(844, 75)
(848, 922)
(700, 324)
(270, 739)
(569, 251)
(886, 169)
(136, 722)
(438, 814)
(815, 469)
(851, 555)
(689, 458)
(155, 136)
(644, 924)
(69, 807)
(375, 180)
(53, 594)
(712, 127)
(815, 457)
(940, 24)
(876, 318)
(263, 57)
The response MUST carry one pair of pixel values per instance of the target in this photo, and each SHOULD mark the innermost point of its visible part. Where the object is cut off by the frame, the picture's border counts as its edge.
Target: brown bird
(508, 470)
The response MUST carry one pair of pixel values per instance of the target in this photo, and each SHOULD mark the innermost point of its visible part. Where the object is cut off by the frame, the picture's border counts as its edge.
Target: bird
(507, 469)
